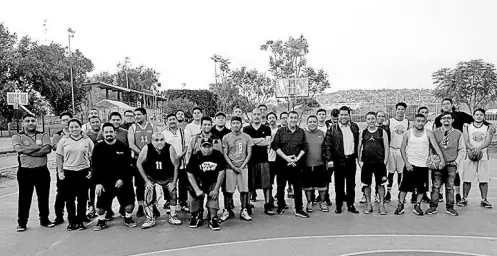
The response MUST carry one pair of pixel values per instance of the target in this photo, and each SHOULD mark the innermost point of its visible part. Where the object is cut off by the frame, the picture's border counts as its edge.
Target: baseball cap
(206, 140)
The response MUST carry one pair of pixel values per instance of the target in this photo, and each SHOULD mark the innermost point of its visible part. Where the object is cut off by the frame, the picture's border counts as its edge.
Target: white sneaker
(245, 216)
(148, 224)
(309, 207)
(173, 219)
(225, 215)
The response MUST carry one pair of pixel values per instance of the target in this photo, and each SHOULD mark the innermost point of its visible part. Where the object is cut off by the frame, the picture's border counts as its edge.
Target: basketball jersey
(397, 129)
(373, 149)
(143, 135)
(158, 166)
(417, 149)
(477, 136)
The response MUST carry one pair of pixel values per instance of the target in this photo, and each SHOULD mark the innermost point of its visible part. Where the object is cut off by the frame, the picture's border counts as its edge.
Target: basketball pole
(71, 34)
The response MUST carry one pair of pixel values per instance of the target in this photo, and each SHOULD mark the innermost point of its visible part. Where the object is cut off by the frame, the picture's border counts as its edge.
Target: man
(380, 122)
(158, 165)
(129, 119)
(415, 150)
(112, 174)
(237, 149)
(180, 116)
(119, 133)
(333, 121)
(477, 137)
(290, 146)
(341, 153)
(372, 159)
(429, 123)
(322, 125)
(91, 113)
(272, 118)
(219, 130)
(334, 117)
(451, 143)
(397, 125)
(139, 135)
(193, 128)
(32, 148)
(259, 173)
(95, 124)
(314, 176)
(283, 118)
(175, 136)
(194, 145)
(459, 119)
(263, 109)
(206, 171)
(237, 111)
(59, 204)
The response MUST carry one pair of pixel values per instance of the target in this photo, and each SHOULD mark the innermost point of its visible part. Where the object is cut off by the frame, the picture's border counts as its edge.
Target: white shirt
(177, 140)
(417, 149)
(348, 140)
(191, 130)
(429, 125)
(477, 137)
(397, 129)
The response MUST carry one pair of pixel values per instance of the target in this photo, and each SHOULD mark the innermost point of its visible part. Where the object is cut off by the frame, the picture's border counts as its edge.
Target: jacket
(333, 142)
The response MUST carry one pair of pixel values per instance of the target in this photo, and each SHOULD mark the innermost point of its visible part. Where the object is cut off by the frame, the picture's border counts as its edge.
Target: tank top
(397, 129)
(373, 150)
(158, 166)
(477, 137)
(143, 135)
(417, 149)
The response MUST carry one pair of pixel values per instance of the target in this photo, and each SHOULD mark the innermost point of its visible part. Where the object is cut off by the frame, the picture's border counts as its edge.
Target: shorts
(125, 196)
(395, 161)
(380, 174)
(314, 178)
(237, 180)
(479, 171)
(196, 203)
(415, 181)
(259, 176)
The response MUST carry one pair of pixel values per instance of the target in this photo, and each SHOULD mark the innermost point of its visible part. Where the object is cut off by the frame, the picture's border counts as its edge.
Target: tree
(172, 106)
(472, 83)
(229, 96)
(253, 85)
(205, 99)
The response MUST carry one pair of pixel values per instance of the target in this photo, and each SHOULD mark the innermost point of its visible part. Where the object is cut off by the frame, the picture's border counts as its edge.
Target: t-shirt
(259, 153)
(205, 169)
(121, 135)
(93, 135)
(76, 153)
(314, 140)
(237, 146)
(111, 163)
(25, 140)
(191, 130)
(220, 133)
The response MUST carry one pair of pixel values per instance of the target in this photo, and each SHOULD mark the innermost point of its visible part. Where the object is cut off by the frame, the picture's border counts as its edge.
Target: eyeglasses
(446, 118)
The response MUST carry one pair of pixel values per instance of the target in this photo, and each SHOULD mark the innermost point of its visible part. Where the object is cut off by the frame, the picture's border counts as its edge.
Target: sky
(360, 44)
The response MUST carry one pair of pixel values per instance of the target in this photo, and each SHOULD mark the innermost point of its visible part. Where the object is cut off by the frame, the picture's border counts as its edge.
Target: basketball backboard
(292, 87)
(17, 98)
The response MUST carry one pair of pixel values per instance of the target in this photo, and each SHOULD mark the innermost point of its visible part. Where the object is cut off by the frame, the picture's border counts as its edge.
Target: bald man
(158, 165)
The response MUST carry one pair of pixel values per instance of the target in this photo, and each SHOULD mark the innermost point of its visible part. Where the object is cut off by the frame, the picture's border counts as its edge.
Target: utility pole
(71, 35)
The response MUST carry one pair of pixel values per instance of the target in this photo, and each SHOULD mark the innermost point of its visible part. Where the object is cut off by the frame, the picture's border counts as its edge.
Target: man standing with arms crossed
(139, 135)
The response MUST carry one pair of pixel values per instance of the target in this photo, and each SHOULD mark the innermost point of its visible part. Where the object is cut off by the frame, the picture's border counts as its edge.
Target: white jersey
(477, 137)
(397, 129)
(417, 149)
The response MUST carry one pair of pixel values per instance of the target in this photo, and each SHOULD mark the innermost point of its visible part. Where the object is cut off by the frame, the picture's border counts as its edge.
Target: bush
(205, 99)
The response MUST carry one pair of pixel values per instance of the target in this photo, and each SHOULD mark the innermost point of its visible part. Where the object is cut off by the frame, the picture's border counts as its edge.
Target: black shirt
(111, 163)
(126, 126)
(373, 150)
(460, 118)
(290, 143)
(218, 133)
(259, 153)
(206, 169)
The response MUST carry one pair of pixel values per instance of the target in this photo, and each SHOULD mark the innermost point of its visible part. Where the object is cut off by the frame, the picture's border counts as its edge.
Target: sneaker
(122, 212)
(414, 198)
(244, 215)
(324, 207)
(458, 198)
(157, 213)
(431, 210)
(280, 211)
(329, 203)
(81, 227)
(58, 221)
(388, 197)
(225, 215)
(309, 207)
(130, 222)
(486, 204)
(426, 199)
(90, 214)
(185, 209)
(167, 205)
(440, 197)
(148, 224)
(363, 199)
(47, 224)
(368, 210)
(21, 228)
(417, 210)
(382, 210)
(268, 209)
(290, 193)
(100, 225)
(451, 211)
(140, 213)
(72, 227)
(301, 214)
(173, 219)
(109, 216)
(400, 209)
(195, 222)
(214, 225)
(86, 219)
(462, 203)
(352, 209)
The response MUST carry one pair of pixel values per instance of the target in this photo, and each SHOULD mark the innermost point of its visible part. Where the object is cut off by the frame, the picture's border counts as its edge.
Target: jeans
(77, 189)
(292, 175)
(345, 172)
(30, 179)
(439, 177)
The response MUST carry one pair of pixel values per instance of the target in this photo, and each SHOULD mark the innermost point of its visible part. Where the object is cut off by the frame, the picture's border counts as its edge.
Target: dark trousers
(59, 199)
(139, 184)
(292, 175)
(28, 180)
(345, 171)
(77, 190)
(183, 187)
(91, 196)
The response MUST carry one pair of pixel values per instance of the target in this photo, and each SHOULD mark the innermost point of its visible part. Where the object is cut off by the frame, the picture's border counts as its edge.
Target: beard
(109, 138)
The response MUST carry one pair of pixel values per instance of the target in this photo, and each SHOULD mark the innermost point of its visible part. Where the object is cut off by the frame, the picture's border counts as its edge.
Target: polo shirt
(37, 139)
(315, 140)
(76, 153)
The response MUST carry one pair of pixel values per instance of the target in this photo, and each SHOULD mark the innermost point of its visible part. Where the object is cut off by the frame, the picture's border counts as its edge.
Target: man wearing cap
(219, 129)
(206, 170)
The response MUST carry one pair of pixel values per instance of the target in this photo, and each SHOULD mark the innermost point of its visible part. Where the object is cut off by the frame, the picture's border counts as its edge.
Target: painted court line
(17, 192)
(309, 237)
(413, 250)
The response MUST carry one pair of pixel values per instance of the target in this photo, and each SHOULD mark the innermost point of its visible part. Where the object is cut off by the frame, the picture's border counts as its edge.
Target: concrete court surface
(473, 232)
